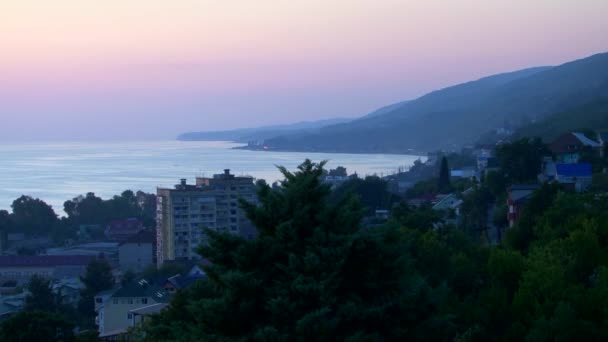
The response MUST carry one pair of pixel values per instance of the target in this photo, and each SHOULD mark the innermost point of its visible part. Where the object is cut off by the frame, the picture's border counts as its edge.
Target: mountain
(245, 135)
(592, 116)
(458, 115)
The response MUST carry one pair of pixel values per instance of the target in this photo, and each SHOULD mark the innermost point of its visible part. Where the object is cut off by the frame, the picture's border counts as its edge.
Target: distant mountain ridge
(458, 115)
(245, 135)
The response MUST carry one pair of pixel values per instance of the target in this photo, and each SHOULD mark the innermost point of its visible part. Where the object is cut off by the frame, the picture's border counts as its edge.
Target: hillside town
(146, 259)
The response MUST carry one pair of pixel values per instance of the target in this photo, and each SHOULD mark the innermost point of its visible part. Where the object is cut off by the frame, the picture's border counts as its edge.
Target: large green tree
(41, 296)
(311, 274)
(98, 278)
(33, 216)
(521, 160)
(36, 326)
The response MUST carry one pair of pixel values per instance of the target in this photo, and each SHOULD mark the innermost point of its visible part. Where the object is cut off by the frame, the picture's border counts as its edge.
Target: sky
(150, 69)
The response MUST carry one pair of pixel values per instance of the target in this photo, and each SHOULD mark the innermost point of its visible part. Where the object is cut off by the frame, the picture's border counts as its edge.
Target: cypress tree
(443, 184)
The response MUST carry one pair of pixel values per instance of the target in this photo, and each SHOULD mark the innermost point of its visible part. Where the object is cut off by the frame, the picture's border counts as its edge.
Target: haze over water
(58, 172)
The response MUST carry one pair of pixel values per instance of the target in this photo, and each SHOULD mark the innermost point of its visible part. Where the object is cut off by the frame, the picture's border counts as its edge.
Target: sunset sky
(141, 69)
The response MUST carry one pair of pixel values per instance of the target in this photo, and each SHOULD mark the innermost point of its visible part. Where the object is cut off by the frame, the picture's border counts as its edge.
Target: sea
(56, 172)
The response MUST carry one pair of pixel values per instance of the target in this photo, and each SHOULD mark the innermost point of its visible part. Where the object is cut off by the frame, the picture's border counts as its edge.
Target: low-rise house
(138, 251)
(113, 310)
(120, 230)
(568, 147)
(139, 315)
(21, 268)
(382, 214)
(422, 200)
(575, 177)
(179, 281)
(518, 195)
(465, 172)
(69, 289)
(10, 305)
(449, 202)
(105, 250)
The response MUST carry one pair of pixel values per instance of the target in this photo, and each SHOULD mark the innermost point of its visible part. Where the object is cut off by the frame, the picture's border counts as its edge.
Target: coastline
(262, 149)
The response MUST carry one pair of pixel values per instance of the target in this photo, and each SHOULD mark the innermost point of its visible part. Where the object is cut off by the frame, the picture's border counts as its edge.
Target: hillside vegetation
(458, 115)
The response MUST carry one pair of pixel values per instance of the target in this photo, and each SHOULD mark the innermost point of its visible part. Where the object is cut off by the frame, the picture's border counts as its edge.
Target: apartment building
(211, 203)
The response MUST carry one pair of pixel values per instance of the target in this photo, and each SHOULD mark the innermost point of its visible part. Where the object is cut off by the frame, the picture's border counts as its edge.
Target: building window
(115, 301)
(97, 300)
(130, 300)
(129, 316)
(144, 300)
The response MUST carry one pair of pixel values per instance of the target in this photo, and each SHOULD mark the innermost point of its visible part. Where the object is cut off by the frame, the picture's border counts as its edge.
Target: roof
(571, 143)
(524, 187)
(124, 226)
(144, 236)
(180, 282)
(142, 288)
(574, 170)
(521, 192)
(45, 260)
(586, 141)
(149, 309)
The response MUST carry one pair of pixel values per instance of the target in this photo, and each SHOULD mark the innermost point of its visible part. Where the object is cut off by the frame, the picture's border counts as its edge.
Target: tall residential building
(211, 203)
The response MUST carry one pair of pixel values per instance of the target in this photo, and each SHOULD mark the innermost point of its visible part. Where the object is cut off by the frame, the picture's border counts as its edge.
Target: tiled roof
(45, 260)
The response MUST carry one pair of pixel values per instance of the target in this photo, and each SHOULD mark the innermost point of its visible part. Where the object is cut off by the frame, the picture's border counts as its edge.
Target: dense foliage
(98, 278)
(372, 192)
(315, 274)
(35, 218)
(90, 209)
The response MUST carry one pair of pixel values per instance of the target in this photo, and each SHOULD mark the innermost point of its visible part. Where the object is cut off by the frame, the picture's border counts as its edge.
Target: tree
(98, 278)
(339, 171)
(311, 274)
(33, 216)
(372, 193)
(41, 297)
(521, 160)
(443, 183)
(36, 326)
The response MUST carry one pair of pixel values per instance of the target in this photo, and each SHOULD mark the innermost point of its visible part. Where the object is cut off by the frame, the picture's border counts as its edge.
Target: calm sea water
(60, 171)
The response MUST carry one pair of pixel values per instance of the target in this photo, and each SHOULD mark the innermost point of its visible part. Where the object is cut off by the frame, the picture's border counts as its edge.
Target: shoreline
(409, 153)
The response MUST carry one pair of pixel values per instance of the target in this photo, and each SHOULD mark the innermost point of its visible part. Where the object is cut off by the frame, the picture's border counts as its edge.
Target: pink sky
(145, 69)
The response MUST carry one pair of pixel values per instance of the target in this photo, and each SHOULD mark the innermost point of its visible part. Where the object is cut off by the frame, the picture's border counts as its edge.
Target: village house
(569, 147)
(114, 308)
(120, 230)
(465, 172)
(574, 177)
(449, 202)
(22, 268)
(137, 252)
(180, 281)
(518, 195)
(69, 289)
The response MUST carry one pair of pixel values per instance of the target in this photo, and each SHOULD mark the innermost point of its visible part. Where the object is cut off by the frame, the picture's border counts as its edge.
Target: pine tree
(312, 273)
